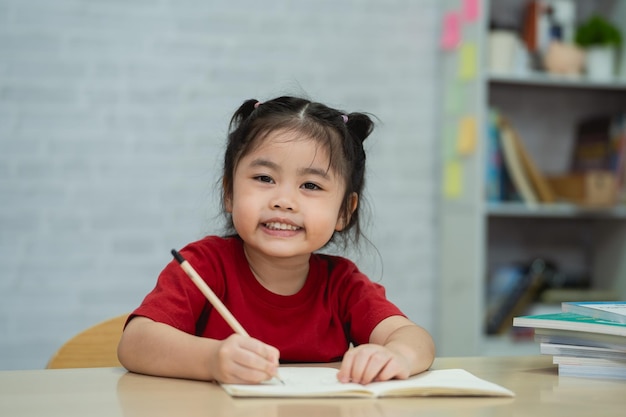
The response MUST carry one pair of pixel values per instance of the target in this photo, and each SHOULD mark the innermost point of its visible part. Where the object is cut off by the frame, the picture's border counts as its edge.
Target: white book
(578, 361)
(322, 382)
(590, 367)
(573, 337)
(592, 371)
(556, 349)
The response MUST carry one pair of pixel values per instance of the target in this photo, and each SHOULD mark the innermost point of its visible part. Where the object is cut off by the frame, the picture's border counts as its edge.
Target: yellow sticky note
(467, 61)
(467, 136)
(452, 179)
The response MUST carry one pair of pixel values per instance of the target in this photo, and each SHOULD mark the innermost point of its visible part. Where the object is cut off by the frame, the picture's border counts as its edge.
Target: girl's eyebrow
(260, 162)
(322, 173)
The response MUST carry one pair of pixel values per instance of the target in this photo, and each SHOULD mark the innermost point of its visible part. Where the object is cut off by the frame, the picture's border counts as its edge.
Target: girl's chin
(278, 250)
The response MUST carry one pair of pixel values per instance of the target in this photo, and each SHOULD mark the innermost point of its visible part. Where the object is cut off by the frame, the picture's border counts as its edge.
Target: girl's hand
(371, 362)
(244, 360)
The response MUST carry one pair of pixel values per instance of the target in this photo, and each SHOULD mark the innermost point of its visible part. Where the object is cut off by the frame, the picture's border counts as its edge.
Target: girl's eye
(310, 186)
(264, 178)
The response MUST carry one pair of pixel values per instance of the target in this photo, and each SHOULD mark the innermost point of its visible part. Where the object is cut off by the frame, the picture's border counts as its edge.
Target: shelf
(475, 235)
(542, 79)
(561, 210)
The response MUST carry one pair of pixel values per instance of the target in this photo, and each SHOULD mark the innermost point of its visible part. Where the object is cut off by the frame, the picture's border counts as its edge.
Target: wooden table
(114, 392)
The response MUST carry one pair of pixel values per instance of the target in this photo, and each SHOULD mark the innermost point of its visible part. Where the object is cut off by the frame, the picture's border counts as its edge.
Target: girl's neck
(280, 276)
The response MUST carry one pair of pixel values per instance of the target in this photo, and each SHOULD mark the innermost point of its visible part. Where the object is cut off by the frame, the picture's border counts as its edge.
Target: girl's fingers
(376, 363)
(344, 374)
(247, 360)
(368, 363)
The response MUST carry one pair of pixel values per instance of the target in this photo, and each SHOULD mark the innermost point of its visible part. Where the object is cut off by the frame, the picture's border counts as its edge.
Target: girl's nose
(284, 201)
(283, 204)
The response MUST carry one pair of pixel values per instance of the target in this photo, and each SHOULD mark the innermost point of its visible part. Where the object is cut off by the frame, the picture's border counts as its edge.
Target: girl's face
(286, 200)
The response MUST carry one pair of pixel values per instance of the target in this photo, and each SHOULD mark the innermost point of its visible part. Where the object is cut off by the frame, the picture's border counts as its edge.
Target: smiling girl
(293, 176)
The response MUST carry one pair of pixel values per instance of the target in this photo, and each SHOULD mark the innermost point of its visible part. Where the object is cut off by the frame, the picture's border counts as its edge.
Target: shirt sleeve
(175, 300)
(364, 304)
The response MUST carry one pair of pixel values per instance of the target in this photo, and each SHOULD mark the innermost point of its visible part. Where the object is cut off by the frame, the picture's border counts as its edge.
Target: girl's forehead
(289, 139)
(291, 148)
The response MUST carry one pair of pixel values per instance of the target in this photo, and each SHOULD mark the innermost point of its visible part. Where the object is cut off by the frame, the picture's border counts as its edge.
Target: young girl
(293, 176)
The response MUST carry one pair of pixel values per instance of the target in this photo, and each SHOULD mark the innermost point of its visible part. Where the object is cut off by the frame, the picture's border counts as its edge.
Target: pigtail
(242, 113)
(359, 125)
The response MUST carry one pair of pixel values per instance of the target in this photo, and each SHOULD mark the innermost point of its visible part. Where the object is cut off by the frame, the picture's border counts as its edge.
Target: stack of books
(587, 339)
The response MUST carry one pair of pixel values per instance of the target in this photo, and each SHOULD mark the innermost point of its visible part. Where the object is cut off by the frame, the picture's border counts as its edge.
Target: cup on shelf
(600, 63)
(502, 50)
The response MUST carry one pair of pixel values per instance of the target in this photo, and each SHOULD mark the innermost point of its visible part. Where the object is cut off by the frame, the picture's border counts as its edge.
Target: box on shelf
(592, 188)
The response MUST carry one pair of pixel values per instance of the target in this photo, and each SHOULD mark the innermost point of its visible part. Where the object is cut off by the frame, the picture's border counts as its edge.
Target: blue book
(605, 310)
(493, 182)
(573, 322)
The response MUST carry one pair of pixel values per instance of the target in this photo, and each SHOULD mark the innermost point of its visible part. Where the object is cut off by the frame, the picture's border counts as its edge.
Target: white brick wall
(113, 116)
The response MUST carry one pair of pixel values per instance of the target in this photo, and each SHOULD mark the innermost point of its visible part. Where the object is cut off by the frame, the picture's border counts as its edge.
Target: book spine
(620, 164)
(524, 293)
(514, 165)
(494, 188)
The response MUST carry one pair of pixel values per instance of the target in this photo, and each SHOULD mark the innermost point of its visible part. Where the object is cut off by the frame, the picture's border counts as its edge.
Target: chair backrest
(95, 347)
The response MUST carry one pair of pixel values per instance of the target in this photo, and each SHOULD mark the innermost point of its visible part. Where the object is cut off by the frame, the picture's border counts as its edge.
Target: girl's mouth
(281, 226)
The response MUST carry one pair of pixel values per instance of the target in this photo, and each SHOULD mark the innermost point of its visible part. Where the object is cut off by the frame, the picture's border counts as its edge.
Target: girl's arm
(398, 348)
(153, 348)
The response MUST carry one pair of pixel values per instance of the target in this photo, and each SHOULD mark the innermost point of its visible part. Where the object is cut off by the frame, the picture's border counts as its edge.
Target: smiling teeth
(280, 226)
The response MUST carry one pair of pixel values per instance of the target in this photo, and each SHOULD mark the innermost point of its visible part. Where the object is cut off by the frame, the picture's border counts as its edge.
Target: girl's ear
(343, 221)
(228, 199)
(228, 204)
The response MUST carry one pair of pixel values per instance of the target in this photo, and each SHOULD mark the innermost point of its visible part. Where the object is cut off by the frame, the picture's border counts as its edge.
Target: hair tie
(345, 118)
(257, 104)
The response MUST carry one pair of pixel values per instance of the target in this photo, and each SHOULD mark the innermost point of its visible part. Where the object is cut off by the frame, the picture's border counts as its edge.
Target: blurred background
(113, 118)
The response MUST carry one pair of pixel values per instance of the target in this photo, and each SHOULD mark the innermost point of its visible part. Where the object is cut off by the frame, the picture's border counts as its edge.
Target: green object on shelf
(597, 31)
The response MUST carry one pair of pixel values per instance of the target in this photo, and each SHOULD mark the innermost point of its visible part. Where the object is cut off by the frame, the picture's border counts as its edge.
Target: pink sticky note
(470, 10)
(451, 33)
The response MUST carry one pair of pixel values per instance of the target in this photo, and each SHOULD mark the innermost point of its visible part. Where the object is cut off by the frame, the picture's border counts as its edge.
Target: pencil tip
(178, 256)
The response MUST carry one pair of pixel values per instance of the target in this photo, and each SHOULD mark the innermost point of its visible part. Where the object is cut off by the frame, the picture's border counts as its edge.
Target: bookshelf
(476, 236)
(538, 79)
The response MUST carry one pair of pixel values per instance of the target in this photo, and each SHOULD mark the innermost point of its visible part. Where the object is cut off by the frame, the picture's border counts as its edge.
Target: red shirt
(337, 305)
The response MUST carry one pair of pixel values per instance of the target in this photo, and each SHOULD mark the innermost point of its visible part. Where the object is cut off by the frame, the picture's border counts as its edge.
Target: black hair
(341, 133)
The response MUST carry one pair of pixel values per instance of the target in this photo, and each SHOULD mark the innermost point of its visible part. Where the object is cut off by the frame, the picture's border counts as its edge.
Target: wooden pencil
(210, 295)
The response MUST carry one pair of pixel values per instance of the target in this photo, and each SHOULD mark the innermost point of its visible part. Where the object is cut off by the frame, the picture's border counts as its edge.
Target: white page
(322, 381)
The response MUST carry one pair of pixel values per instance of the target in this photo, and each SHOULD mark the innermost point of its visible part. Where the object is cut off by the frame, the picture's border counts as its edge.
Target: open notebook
(322, 382)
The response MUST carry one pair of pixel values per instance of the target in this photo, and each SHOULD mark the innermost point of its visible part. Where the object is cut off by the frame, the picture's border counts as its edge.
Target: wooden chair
(95, 347)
